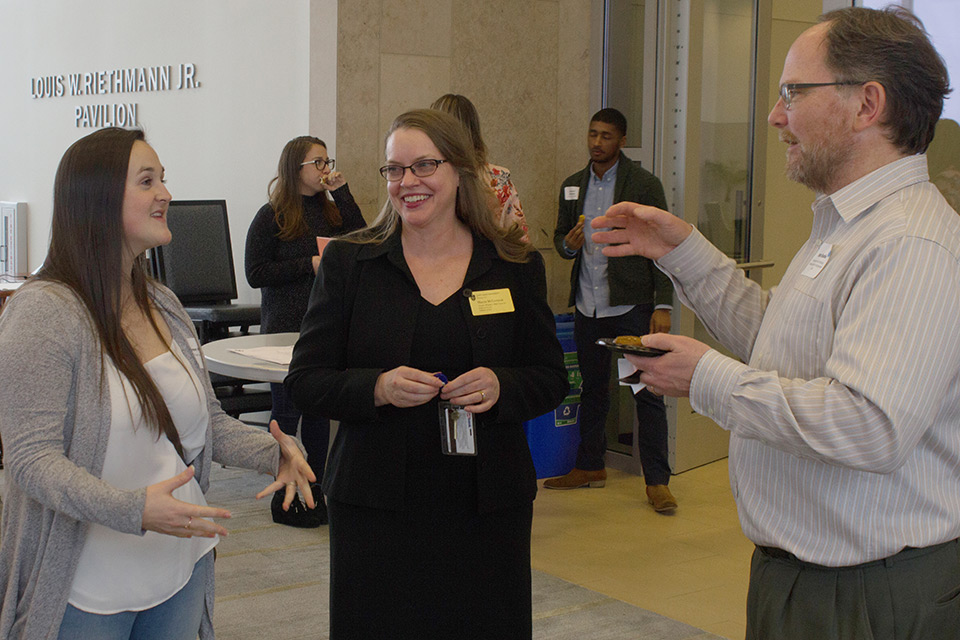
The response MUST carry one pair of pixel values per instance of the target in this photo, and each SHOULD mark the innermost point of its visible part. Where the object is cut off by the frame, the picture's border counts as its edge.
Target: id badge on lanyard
(458, 435)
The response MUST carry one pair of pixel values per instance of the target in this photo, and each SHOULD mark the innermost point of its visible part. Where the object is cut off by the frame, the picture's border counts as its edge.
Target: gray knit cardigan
(55, 422)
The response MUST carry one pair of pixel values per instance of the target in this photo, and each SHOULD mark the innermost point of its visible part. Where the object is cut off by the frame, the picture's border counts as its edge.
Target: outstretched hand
(294, 472)
(635, 229)
(165, 514)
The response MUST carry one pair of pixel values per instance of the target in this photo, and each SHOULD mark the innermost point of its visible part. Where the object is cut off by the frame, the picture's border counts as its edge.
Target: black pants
(913, 595)
(314, 432)
(594, 363)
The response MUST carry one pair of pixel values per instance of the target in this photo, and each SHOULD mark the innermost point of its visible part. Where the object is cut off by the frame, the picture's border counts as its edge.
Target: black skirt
(404, 574)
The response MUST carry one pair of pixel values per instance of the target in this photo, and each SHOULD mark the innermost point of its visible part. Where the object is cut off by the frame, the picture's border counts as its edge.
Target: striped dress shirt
(845, 419)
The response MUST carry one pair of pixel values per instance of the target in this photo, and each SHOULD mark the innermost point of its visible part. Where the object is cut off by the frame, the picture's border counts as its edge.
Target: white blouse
(122, 572)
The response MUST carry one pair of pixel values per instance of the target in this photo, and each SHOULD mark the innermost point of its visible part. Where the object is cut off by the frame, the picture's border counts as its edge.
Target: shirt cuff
(712, 385)
(691, 260)
(666, 307)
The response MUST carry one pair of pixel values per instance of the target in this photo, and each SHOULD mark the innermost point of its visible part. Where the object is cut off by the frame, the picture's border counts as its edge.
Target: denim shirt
(593, 292)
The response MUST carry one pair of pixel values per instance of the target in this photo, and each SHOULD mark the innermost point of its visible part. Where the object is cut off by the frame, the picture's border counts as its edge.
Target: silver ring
(189, 522)
(291, 484)
(483, 396)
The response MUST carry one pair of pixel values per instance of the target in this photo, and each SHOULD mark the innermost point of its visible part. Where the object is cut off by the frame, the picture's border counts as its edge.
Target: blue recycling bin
(553, 438)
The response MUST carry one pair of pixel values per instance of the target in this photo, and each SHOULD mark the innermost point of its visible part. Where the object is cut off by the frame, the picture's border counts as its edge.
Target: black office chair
(198, 266)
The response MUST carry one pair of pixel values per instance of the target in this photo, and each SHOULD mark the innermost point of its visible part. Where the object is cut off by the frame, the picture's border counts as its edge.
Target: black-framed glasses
(421, 168)
(320, 163)
(789, 91)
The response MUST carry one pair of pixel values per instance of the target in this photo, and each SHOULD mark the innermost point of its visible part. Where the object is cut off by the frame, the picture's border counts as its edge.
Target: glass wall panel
(624, 77)
(727, 67)
(629, 85)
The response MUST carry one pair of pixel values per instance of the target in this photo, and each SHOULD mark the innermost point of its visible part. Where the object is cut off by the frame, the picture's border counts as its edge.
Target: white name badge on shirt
(571, 193)
(819, 261)
(195, 348)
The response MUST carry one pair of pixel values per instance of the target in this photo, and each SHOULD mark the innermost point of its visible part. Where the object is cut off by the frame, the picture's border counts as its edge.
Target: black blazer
(360, 323)
(632, 279)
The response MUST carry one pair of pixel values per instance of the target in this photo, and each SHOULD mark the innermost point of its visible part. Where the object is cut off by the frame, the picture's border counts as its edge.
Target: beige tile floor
(691, 566)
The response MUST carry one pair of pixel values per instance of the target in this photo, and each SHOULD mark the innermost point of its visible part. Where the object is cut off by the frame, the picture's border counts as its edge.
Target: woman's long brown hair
(284, 191)
(86, 255)
(463, 110)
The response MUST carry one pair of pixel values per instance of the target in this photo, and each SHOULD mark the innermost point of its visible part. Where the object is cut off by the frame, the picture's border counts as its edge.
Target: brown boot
(578, 478)
(660, 497)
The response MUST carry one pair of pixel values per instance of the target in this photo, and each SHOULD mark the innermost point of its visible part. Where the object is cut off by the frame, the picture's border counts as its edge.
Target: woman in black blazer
(430, 320)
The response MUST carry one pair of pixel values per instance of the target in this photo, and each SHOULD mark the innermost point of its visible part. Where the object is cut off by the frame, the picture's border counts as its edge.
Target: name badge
(571, 193)
(485, 303)
(195, 349)
(819, 261)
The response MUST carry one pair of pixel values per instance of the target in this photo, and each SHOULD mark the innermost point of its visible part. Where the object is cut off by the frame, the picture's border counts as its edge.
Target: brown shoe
(660, 497)
(578, 478)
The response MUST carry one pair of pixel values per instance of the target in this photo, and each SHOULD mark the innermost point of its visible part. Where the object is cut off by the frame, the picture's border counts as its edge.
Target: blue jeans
(314, 432)
(177, 618)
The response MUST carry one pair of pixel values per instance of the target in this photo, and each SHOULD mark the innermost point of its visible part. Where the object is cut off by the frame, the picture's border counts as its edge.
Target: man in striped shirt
(844, 411)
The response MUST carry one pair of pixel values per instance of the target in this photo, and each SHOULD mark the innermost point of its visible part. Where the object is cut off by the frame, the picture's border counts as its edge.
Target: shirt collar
(484, 253)
(609, 174)
(858, 196)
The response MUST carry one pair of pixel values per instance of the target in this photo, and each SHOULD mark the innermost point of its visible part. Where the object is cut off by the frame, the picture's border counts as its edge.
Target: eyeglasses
(320, 163)
(789, 91)
(420, 168)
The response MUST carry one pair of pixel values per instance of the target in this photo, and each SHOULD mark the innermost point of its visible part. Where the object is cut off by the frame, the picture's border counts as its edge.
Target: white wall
(221, 140)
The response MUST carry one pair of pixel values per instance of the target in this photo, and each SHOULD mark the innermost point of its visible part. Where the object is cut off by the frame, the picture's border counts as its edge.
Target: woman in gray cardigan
(109, 404)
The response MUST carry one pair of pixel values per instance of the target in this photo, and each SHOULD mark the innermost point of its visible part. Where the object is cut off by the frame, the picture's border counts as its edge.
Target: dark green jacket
(632, 279)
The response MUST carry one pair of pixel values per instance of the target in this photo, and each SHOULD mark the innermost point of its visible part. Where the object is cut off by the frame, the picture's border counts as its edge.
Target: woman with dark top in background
(429, 337)
(281, 260)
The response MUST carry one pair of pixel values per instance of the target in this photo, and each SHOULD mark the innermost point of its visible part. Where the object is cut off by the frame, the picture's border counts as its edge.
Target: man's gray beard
(817, 167)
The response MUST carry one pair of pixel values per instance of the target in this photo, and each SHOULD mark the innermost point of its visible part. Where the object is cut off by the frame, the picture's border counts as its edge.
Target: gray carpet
(272, 583)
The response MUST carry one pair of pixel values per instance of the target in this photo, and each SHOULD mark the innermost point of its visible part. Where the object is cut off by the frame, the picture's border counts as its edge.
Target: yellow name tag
(485, 303)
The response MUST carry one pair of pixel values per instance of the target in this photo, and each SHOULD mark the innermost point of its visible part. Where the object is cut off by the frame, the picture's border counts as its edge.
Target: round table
(220, 359)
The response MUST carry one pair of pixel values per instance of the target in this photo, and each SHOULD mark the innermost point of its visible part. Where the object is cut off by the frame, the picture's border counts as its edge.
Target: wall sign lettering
(114, 81)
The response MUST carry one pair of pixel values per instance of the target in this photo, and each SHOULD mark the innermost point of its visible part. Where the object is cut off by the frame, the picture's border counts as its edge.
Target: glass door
(685, 74)
(631, 33)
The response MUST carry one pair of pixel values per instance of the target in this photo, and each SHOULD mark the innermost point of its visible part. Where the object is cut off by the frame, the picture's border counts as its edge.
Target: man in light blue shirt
(613, 296)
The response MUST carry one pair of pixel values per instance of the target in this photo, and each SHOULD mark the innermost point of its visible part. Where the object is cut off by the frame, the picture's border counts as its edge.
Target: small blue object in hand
(442, 378)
